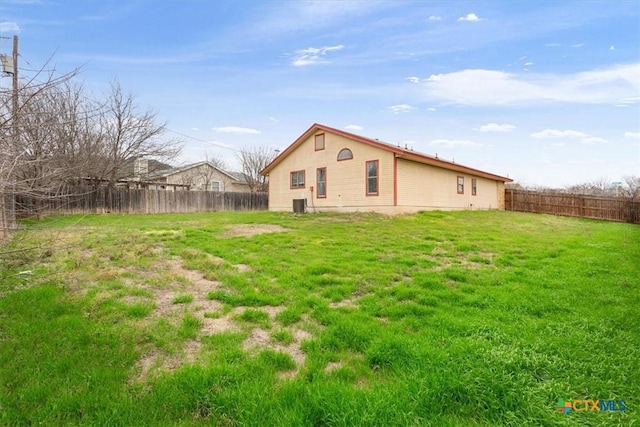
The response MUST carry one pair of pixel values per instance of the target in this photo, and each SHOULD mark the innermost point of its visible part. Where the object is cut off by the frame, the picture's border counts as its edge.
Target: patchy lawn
(443, 318)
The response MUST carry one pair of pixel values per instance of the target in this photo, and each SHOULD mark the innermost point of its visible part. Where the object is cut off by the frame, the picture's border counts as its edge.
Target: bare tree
(129, 133)
(57, 139)
(631, 187)
(253, 161)
(630, 190)
(597, 187)
(26, 151)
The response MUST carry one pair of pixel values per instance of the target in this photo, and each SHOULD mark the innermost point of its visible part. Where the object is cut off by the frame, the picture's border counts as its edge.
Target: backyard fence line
(606, 208)
(85, 199)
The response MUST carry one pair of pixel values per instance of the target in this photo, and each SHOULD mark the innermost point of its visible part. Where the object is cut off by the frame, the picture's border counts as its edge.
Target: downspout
(395, 179)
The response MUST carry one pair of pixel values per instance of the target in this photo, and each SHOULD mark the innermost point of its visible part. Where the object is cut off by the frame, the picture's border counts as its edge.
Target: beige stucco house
(329, 170)
(203, 176)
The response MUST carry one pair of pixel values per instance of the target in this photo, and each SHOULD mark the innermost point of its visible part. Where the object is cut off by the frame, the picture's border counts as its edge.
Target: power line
(203, 140)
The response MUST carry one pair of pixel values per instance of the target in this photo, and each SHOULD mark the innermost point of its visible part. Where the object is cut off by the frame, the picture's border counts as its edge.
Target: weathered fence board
(605, 208)
(88, 199)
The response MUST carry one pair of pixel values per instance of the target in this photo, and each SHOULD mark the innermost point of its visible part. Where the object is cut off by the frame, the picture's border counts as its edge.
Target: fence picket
(605, 208)
(88, 199)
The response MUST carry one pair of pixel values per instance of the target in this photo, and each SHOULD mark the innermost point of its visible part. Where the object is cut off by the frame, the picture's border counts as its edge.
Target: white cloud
(435, 18)
(632, 135)
(236, 129)
(9, 27)
(400, 108)
(568, 134)
(273, 119)
(413, 79)
(593, 140)
(470, 17)
(578, 45)
(195, 129)
(495, 127)
(527, 64)
(555, 133)
(455, 143)
(431, 109)
(612, 48)
(313, 55)
(488, 87)
(353, 127)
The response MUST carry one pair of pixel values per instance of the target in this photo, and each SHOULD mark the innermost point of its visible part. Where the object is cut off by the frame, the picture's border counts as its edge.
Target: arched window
(345, 154)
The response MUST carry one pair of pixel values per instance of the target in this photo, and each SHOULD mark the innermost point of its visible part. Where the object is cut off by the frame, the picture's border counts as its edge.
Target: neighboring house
(327, 169)
(202, 176)
(140, 166)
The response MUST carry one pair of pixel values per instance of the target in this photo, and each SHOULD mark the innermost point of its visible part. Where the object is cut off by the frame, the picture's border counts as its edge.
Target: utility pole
(14, 111)
(7, 201)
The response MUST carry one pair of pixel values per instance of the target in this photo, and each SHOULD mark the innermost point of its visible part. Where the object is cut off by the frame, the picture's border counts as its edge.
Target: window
(372, 178)
(460, 185)
(297, 179)
(215, 185)
(319, 142)
(321, 182)
(345, 154)
(474, 187)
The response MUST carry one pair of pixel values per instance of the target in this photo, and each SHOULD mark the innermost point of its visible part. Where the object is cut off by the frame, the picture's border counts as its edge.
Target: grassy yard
(438, 318)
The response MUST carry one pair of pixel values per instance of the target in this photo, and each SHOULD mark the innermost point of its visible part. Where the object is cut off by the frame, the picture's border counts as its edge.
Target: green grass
(438, 318)
(183, 299)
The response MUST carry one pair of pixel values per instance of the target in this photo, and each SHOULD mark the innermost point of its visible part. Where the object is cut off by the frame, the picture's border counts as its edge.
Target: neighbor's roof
(168, 172)
(398, 151)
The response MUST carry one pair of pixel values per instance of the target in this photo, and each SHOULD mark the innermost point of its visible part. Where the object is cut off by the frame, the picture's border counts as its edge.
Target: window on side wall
(319, 142)
(460, 185)
(215, 185)
(321, 182)
(474, 187)
(345, 154)
(297, 179)
(372, 178)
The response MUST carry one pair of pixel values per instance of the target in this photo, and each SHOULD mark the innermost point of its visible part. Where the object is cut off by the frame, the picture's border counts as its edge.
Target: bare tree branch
(253, 161)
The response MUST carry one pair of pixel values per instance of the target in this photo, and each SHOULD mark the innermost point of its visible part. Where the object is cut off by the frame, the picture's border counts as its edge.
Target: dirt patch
(438, 251)
(191, 349)
(242, 268)
(332, 366)
(260, 339)
(216, 326)
(194, 277)
(466, 262)
(349, 302)
(155, 360)
(248, 230)
(207, 310)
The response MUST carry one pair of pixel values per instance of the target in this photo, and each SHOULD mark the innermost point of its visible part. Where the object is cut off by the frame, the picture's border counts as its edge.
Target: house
(330, 170)
(203, 176)
(140, 166)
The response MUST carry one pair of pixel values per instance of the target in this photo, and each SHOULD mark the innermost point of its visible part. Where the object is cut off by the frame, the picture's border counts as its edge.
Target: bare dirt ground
(248, 230)
(202, 307)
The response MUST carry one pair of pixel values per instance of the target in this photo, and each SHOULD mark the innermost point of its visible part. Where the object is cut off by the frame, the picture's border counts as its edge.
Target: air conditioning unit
(299, 205)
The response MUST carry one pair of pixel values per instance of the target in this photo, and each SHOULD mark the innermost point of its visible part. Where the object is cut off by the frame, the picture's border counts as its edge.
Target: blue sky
(546, 92)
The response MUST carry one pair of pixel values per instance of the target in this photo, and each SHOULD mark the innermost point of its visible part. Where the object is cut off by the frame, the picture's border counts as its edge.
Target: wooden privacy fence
(102, 199)
(606, 208)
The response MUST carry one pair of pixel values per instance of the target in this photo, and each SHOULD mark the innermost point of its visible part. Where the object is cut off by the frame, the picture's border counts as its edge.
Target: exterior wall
(417, 186)
(200, 178)
(500, 195)
(424, 187)
(345, 182)
(237, 187)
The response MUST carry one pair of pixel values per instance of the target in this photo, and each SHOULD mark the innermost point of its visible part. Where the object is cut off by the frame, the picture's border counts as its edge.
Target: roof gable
(173, 171)
(398, 151)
